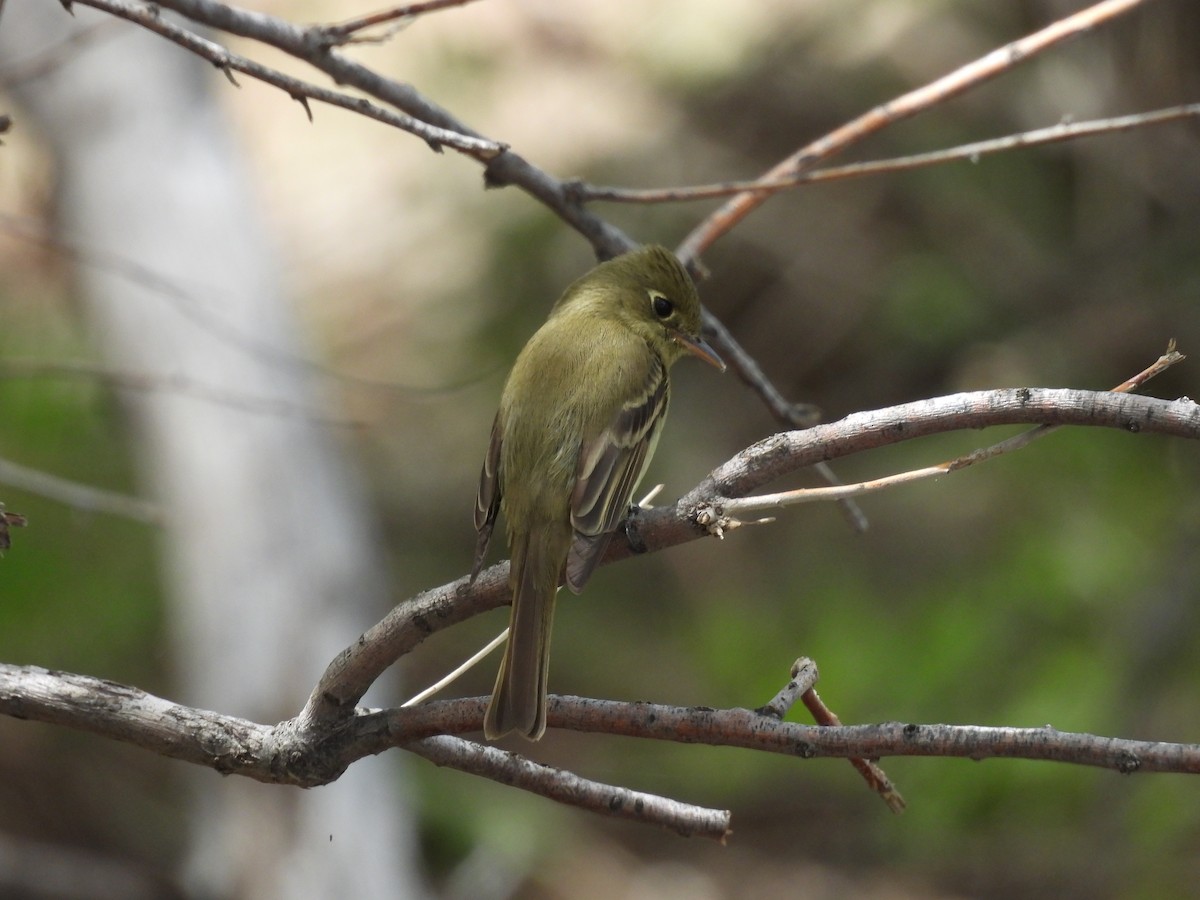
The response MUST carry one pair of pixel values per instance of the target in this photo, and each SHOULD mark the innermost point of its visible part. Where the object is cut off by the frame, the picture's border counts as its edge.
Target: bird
(579, 419)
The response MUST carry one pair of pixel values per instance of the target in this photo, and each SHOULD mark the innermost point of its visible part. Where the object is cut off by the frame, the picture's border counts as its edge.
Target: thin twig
(196, 309)
(458, 672)
(163, 383)
(786, 413)
(1064, 131)
(724, 518)
(78, 496)
(989, 66)
(302, 91)
(871, 772)
(804, 676)
(400, 16)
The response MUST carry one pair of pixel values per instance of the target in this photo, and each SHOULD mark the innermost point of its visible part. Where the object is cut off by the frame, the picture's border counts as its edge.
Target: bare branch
(313, 46)
(786, 413)
(358, 666)
(331, 732)
(803, 686)
(169, 383)
(748, 730)
(804, 676)
(782, 454)
(76, 495)
(398, 16)
(309, 45)
(132, 716)
(572, 790)
(735, 506)
(435, 136)
(987, 67)
(1064, 131)
(286, 754)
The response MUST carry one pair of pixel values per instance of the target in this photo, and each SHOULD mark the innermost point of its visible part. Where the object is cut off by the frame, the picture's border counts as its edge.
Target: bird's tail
(519, 698)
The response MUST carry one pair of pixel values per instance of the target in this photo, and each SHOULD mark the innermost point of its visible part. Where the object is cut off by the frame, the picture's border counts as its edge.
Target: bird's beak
(699, 347)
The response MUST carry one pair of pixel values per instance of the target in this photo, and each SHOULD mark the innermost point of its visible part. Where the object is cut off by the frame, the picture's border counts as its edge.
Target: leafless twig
(357, 667)
(987, 67)
(300, 91)
(288, 754)
(1064, 131)
(76, 495)
(726, 517)
(398, 17)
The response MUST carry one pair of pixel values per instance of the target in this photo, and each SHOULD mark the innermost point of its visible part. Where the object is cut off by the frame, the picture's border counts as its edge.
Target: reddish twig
(964, 78)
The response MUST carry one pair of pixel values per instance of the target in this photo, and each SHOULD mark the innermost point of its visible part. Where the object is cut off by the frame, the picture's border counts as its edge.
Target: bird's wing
(487, 501)
(610, 466)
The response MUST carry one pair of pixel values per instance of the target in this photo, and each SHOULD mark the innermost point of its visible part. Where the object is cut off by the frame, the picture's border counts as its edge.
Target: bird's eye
(661, 305)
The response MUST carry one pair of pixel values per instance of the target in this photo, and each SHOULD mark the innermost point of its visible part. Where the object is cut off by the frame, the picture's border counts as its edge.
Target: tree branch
(77, 495)
(1054, 134)
(301, 91)
(973, 74)
(312, 45)
(397, 17)
(287, 754)
(684, 819)
(331, 732)
(358, 666)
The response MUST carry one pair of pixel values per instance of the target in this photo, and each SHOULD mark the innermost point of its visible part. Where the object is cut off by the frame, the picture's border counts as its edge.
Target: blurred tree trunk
(269, 555)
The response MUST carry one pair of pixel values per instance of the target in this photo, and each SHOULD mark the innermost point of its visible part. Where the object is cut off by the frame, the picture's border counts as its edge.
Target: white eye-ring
(661, 305)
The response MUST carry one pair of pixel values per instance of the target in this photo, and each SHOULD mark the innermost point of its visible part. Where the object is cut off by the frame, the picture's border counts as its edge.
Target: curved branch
(358, 666)
(331, 733)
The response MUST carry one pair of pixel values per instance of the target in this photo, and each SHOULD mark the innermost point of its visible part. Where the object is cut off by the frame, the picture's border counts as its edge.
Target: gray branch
(332, 732)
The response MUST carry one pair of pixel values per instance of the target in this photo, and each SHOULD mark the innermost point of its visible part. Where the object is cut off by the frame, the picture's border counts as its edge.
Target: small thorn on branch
(303, 101)
(227, 71)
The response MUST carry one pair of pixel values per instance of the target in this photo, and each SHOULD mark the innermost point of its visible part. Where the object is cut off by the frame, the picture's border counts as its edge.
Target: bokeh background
(1056, 586)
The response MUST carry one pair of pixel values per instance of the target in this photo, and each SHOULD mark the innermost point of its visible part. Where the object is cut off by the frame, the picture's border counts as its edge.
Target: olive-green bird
(578, 422)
